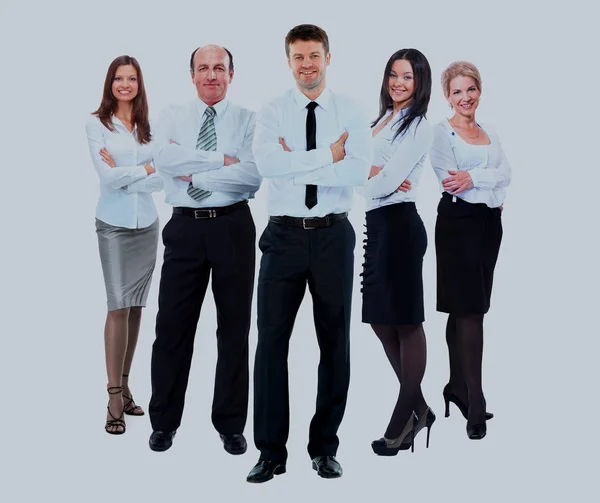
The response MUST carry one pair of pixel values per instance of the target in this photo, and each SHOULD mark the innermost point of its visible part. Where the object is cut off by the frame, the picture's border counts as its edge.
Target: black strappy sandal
(130, 407)
(115, 422)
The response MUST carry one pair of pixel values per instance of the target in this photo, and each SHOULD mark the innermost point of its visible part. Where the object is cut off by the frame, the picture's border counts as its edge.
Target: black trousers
(224, 245)
(292, 258)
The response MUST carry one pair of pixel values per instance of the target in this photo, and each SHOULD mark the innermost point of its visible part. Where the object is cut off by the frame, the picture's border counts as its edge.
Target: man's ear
(231, 75)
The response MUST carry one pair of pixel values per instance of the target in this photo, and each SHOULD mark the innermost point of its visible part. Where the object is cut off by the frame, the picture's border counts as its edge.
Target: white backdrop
(539, 76)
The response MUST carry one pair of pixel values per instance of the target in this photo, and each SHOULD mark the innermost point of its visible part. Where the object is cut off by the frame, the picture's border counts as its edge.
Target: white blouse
(400, 158)
(125, 190)
(487, 164)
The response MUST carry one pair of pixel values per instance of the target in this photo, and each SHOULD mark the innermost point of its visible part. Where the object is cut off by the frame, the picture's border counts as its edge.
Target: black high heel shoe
(476, 431)
(386, 447)
(425, 421)
(130, 407)
(116, 425)
(464, 409)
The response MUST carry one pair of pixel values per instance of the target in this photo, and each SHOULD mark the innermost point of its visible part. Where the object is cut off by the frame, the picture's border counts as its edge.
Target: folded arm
(175, 160)
(411, 148)
(492, 178)
(240, 177)
(152, 183)
(271, 158)
(116, 177)
(353, 169)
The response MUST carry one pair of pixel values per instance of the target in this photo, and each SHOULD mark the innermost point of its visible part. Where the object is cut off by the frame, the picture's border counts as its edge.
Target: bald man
(204, 153)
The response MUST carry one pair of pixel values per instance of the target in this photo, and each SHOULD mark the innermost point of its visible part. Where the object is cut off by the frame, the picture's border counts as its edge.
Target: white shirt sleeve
(492, 177)
(272, 161)
(351, 171)
(441, 155)
(118, 176)
(175, 160)
(152, 183)
(241, 177)
(413, 145)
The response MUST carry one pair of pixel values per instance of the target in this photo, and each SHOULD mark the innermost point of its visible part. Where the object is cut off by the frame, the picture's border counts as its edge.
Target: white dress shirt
(400, 158)
(234, 127)
(487, 164)
(290, 172)
(125, 190)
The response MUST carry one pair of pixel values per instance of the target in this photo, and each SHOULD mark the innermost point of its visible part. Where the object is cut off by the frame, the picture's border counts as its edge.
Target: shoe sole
(236, 453)
(156, 448)
(280, 470)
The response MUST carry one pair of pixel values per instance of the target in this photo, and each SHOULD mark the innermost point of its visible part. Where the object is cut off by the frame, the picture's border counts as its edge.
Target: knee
(119, 315)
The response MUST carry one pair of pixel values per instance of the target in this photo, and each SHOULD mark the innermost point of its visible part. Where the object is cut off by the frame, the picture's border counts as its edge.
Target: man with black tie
(204, 153)
(314, 146)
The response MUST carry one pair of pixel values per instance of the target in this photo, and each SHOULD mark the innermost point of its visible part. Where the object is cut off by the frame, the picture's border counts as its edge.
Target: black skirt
(392, 284)
(467, 242)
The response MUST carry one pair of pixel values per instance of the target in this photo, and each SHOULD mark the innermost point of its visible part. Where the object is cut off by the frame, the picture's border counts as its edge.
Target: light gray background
(541, 336)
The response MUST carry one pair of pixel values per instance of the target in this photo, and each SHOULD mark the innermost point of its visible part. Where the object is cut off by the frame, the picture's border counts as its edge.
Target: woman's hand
(405, 186)
(106, 157)
(457, 182)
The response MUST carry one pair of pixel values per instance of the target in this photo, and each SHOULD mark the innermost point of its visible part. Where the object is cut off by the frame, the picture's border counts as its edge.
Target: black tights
(464, 336)
(406, 349)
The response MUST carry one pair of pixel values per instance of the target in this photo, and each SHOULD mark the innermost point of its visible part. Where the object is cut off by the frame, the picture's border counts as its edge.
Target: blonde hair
(460, 69)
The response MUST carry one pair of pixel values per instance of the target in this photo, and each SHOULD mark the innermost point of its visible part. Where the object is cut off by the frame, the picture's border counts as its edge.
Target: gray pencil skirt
(128, 257)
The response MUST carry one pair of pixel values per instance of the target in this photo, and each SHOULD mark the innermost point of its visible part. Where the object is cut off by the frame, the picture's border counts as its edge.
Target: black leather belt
(208, 212)
(309, 222)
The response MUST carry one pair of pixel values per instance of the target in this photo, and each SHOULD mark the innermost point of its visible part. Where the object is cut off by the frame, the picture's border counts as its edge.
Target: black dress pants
(292, 258)
(194, 248)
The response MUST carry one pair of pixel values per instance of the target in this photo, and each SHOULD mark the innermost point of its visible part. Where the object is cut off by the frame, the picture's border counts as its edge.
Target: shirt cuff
(199, 181)
(215, 160)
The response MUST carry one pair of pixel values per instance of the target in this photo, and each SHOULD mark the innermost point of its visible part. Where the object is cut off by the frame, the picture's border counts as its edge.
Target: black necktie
(311, 143)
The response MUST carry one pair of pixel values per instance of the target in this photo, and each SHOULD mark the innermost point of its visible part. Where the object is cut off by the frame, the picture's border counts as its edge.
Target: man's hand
(337, 148)
(185, 178)
(457, 182)
(106, 157)
(149, 169)
(228, 160)
(375, 170)
(405, 186)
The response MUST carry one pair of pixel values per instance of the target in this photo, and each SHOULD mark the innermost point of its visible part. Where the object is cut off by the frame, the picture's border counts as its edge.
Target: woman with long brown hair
(127, 225)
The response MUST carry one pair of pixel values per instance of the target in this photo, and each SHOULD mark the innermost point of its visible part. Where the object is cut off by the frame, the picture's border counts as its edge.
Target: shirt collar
(301, 100)
(219, 107)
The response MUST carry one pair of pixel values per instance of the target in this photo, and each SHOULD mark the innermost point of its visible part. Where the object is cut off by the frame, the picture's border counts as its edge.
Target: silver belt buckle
(198, 213)
(304, 223)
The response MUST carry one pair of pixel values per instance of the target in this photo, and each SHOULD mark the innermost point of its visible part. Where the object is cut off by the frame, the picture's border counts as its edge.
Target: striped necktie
(207, 140)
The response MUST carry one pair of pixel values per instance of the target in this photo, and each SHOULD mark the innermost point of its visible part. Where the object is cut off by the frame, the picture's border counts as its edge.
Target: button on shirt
(125, 190)
(234, 127)
(290, 172)
(400, 158)
(487, 164)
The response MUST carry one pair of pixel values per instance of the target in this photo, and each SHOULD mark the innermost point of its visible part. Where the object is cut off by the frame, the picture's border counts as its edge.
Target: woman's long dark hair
(108, 105)
(417, 108)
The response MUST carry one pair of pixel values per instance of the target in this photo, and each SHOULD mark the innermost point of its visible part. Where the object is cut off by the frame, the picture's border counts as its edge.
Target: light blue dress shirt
(230, 184)
(125, 190)
(289, 172)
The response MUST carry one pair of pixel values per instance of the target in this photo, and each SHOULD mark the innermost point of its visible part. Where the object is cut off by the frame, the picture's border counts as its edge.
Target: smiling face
(464, 95)
(401, 83)
(308, 62)
(211, 74)
(125, 83)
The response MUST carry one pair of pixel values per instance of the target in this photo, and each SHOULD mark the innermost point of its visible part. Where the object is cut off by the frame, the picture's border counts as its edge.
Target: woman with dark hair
(126, 223)
(473, 172)
(396, 241)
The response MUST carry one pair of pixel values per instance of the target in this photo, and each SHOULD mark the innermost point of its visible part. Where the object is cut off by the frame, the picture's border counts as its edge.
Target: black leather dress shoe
(235, 443)
(161, 440)
(264, 470)
(327, 467)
